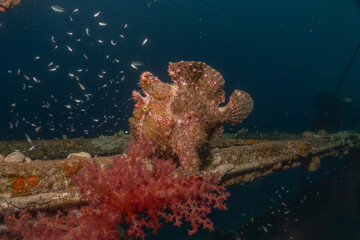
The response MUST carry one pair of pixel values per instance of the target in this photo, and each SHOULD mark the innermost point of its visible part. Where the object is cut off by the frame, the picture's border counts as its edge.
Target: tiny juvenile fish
(97, 14)
(57, 9)
(82, 86)
(102, 24)
(28, 138)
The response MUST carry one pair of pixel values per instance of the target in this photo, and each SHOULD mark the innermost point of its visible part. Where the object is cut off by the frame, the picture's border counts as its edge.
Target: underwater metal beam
(47, 185)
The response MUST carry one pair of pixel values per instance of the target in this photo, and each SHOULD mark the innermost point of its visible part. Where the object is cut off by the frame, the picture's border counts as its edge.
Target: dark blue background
(281, 52)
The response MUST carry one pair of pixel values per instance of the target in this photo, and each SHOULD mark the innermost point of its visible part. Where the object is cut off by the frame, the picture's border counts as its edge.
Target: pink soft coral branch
(133, 192)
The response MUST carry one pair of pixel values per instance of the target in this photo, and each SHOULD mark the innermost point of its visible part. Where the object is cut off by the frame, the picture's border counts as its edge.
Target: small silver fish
(348, 100)
(144, 42)
(52, 69)
(102, 24)
(82, 86)
(28, 138)
(57, 9)
(137, 64)
(97, 14)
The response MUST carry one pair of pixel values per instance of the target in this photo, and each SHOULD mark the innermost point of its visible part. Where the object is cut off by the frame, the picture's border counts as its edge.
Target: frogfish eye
(145, 108)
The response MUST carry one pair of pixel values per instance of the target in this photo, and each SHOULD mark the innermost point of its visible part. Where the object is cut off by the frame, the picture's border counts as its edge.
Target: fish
(82, 86)
(102, 24)
(113, 43)
(348, 100)
(75, 10)
(57, 9)
(87, 31)
(36, 80)
(28, 138)
(32, 147)
(136, 64)
(97, 14)
(37, 57)
(52, 69)
(100, 41)
(69, 48)
(144, 42)
(53, 39)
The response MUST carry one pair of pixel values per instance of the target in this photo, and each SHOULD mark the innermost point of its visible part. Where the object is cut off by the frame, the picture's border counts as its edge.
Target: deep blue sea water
(283, 53)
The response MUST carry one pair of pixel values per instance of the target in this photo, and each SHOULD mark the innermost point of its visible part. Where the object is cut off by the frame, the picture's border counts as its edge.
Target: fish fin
(238, 108)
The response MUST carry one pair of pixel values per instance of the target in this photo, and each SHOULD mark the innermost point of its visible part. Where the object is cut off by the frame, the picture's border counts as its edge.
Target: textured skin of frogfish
(182, 118)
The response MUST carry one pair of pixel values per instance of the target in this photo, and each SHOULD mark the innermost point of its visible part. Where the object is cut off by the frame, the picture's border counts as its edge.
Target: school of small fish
(79, 101)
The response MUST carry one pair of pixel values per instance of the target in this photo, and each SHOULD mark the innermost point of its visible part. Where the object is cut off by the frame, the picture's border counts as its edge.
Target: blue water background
(281, 52)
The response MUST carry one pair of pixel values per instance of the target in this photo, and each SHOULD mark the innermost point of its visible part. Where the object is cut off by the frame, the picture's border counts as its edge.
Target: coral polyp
(182, 118)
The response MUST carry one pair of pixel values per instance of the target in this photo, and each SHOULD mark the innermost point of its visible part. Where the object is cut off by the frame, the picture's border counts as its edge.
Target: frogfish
(181, 119)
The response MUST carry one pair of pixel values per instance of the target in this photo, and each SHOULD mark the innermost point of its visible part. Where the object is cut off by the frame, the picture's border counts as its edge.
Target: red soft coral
(136, 194)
